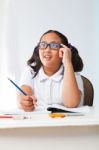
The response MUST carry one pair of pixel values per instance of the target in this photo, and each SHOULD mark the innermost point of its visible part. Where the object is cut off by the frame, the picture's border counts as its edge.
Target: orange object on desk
(58, 115)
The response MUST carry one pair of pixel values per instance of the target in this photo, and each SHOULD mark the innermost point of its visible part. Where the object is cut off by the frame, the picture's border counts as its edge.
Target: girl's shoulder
(27, 76)
(77, 74)
(79, 79)
(29, 70)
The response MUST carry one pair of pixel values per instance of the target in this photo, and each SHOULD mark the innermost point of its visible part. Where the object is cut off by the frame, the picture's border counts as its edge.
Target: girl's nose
(48, 48)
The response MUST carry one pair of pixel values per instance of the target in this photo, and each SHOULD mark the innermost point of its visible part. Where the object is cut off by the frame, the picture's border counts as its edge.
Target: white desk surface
(43, 120)
(45, 133)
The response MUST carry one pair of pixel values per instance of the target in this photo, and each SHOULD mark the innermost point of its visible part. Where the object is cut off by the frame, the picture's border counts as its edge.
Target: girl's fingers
(65, 53)
(28, 108)
(26, 102)
(64, 46)
(61, 53)
(34, 100)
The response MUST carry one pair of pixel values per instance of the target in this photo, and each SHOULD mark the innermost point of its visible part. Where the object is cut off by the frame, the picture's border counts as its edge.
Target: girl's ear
(36, 50)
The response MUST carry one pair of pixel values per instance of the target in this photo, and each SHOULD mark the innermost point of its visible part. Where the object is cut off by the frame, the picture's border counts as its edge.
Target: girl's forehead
(51, 37)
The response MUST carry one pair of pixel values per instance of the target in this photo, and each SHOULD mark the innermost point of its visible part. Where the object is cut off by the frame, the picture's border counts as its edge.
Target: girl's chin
(48, 64)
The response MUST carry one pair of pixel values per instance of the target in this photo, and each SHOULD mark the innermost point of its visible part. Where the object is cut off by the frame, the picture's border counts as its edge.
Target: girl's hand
(65, 53)
(27, 103)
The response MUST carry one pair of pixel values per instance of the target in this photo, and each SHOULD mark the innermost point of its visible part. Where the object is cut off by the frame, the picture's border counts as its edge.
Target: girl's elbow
(71, 105)
(73, 102)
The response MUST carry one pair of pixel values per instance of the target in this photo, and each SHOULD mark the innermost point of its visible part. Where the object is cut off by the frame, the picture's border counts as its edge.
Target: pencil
(5, 116)
(16, 117)
(17, 86)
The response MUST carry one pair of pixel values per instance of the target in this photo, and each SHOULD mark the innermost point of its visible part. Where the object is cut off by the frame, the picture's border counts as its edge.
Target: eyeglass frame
(49, 44)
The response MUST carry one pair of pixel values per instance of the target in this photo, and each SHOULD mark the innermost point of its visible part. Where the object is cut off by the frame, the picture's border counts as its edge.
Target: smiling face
(48, 56)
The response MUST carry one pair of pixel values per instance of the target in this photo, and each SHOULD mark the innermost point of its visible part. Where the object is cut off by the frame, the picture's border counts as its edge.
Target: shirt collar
(55, 77)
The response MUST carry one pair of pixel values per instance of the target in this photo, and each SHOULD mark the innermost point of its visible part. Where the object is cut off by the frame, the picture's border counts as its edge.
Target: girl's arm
(70, 92)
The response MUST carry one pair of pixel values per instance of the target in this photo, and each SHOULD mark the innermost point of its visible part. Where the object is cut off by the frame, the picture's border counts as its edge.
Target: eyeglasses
(54, 46)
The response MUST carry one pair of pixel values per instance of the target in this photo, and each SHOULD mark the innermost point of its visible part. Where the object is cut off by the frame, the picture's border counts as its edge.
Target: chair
(88, 91)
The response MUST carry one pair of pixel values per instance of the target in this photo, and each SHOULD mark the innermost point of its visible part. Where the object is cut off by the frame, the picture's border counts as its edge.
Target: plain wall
(24, 21)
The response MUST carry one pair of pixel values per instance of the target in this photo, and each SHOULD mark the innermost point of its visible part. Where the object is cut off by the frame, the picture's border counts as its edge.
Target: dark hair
(35, 63)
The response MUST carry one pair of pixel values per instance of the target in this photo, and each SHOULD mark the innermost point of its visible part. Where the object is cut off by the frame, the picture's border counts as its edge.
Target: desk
(44, 133)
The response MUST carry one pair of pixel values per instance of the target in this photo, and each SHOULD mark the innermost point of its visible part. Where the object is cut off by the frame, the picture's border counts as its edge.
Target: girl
(51, 76)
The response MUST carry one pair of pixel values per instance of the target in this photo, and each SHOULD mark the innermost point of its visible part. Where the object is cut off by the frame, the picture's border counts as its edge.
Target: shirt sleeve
(27, 77)
(80, 86)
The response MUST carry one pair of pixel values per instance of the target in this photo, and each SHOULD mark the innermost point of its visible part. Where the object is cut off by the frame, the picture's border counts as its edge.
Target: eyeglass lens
(44, 45)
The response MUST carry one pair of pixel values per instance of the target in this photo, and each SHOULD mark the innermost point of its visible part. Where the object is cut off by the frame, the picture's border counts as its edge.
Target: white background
(22, 22)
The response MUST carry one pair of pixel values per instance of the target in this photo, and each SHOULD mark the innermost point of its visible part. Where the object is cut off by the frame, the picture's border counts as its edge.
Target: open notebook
(60, 108)
(49, 109)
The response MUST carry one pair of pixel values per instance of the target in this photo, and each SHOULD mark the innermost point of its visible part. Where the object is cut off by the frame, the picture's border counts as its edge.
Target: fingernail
(62, 45)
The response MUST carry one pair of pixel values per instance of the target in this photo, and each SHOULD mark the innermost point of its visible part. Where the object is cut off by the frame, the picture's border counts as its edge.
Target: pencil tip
(8, 78)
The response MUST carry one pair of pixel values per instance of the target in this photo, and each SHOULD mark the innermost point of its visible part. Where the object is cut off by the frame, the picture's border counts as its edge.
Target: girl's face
(49, 50)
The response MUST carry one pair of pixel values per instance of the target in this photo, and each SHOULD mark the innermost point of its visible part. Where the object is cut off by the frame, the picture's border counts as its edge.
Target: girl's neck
(49, 71)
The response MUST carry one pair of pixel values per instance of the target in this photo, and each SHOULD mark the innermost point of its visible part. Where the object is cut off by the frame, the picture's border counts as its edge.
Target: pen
(17, 87)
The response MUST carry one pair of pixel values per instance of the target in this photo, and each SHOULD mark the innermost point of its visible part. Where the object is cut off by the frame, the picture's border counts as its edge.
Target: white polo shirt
(48, 90)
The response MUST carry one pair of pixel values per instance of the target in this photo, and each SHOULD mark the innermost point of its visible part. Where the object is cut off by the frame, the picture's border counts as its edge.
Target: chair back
(88, 91)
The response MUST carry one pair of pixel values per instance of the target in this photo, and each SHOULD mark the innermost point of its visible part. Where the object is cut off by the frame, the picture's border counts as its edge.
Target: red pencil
(5, 116)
